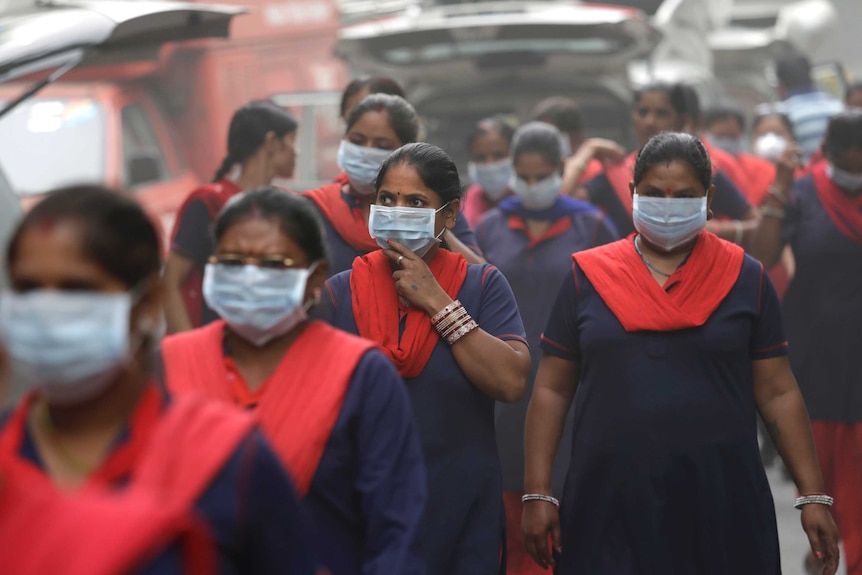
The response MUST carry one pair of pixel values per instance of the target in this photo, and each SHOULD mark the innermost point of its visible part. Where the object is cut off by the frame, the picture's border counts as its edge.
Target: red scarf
(350, 222)
(376, 309)
(844, 210)
(626, 286)
(41, 530)
(214, 196)
(298, 405)
(620, 175)
(760, 174)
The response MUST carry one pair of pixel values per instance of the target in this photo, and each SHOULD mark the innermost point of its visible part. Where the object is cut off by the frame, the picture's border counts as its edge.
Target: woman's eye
(417, 203)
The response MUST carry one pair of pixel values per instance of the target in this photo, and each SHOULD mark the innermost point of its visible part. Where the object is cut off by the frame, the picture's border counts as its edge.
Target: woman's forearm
(459, 247)
(787, 420)
(494, 366)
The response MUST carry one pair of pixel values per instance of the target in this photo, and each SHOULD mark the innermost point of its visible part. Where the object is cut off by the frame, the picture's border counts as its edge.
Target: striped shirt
(810, 110)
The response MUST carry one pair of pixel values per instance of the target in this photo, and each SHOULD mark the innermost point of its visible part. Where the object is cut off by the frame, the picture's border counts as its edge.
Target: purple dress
(535, 267)
(666, 474)
(462, 529)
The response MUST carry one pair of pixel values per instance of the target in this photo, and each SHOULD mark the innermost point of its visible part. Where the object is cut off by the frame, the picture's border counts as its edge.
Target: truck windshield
(46, 143)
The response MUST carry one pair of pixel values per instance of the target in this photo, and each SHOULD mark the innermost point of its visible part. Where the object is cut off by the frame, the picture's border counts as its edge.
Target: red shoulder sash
(376, 309)
(760, 174)
(298, 406)
(844, 211)
(619, 176)
(628, 289)
(45, 531)
(349, 222)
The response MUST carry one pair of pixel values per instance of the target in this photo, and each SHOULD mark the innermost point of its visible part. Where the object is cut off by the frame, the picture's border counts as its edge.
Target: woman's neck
(255, 173)
(257, 363)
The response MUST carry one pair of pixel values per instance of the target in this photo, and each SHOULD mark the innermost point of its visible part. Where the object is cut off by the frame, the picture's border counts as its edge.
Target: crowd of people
(563, 365)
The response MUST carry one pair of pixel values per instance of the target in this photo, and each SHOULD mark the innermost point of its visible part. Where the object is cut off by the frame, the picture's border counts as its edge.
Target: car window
(143, 157)
(47, 143)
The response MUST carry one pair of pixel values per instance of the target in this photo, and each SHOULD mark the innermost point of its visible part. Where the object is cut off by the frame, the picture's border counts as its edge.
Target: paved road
(794, 543)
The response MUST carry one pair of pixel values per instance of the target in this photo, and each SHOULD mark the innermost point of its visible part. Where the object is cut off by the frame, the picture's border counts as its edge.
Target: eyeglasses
(266, 262)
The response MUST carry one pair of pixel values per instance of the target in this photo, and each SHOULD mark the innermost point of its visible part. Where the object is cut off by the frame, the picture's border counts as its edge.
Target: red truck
(156, 123)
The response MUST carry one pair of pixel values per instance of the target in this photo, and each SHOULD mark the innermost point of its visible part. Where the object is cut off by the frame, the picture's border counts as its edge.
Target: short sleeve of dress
(561, 337)
(729, 201)
(499, 315)
(768, 339)
(192, 237)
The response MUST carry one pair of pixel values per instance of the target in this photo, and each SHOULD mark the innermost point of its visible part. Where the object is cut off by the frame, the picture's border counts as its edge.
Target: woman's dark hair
(852, 89)
(670, 146)
(434, 166)
(675, 93)
(844, 132)
(492, 125)
(538, 138)
(374, 85)
(764, 113)
(402, 116)
(562, 113)
(116, 233)
(248, 129)
(295, 216)
(722, 112)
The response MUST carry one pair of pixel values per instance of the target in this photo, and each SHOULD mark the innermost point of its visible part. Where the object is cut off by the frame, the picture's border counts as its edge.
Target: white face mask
(493, 178)
(68, 345)
(361, 164)
(845, 180)
(770, 146)
(538, 196)
(258, 304)
(668, 223)
(413, 227)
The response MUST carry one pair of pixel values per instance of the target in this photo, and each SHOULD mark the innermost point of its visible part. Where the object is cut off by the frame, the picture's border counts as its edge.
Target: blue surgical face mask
(258, 304)
(412, 227)
(668, 223)
(538, 196)
(69, 346)
(361, 164)
(845, 180)
(493, 178)
(733, 146)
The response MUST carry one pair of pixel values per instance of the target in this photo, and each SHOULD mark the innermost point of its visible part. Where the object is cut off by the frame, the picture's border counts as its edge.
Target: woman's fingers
(831, 550)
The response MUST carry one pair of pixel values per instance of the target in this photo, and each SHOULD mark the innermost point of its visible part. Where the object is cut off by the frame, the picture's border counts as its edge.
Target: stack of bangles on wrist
(539, 497)
(818, 498)
(453, 322)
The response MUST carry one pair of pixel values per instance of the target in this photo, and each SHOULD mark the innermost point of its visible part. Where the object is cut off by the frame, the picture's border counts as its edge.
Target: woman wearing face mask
(342, 428)
(490, 168)
(661, 108)
(669, 342)
(377, 125)
(261, 142)
(79, 323)
(820, 216)
(530, 238)
(453, 331)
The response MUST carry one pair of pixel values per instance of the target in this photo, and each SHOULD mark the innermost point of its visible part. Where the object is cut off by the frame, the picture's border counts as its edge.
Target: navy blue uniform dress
(365, 503)
(666, 475)
(729, 201)
(462, 528)
(250, 508)
(534, 267)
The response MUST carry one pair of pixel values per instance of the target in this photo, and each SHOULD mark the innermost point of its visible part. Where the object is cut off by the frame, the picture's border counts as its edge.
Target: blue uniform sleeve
(605, 231)
(561, 337)
(463, 232)
(274, 538)
(391, 479)
(192, 238)
(768, 338)
(498, 314)
(729, 201)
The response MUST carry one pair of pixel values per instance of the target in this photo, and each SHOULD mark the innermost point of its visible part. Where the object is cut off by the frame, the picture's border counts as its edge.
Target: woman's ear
(314, 287)
(710, 194)
(451, 212)
(632, 188)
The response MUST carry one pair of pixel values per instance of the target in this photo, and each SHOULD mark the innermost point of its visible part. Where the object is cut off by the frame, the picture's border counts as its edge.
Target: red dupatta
(376, 310)
(350, 222)
(298, 405)
(844, 211)
(624, 283)
(620, 176)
